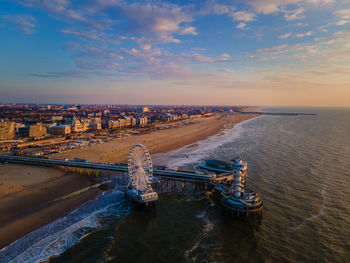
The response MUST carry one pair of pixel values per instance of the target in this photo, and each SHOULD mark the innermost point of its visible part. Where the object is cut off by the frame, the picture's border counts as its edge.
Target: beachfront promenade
(102, 168)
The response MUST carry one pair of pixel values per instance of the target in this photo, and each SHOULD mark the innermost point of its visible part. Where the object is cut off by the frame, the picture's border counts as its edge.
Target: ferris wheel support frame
(140, 168)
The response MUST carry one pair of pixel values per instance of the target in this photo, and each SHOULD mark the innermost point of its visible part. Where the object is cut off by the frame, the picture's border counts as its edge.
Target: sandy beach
(28, 198)
(28, 194)
(156, 141)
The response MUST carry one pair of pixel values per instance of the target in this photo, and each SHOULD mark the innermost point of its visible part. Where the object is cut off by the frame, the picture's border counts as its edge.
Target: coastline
(34, 201)
(41, 205)
(159, 141)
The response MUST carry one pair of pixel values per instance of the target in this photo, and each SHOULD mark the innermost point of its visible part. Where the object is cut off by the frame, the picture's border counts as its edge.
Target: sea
(299, 165)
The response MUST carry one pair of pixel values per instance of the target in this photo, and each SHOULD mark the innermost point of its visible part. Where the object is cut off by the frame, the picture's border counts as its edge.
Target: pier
(139, 176)
(105, 167)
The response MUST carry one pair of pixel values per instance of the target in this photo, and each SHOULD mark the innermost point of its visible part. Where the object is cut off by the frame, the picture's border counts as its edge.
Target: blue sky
(254, 52)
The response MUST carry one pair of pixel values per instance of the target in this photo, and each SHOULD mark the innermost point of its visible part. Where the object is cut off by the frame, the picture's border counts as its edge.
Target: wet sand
(27, 198)
(28, 193)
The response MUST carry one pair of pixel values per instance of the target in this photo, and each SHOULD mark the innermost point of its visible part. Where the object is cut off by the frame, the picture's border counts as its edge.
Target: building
(133, 122)
(22, 131)
(18, 126)
(96, 119)
(94, 126)
(56, 118)
(60, 130)
(141, 121)
(142, 109)
(37, 130)
(7, 130)
(122, 123)
(70, 108)
(170, 117)
(127, 121)
(77, 126)
(114, 124)
(49, 125)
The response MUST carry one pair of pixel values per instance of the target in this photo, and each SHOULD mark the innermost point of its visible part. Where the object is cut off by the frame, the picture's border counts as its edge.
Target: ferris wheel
(140, 168)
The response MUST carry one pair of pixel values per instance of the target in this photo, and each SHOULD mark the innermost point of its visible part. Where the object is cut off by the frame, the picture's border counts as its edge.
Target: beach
(157, 141)
(31, 196)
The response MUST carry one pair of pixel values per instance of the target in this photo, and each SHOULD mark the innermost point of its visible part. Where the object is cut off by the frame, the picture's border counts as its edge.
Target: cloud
(343, 14)
(332, 70)
(160, 64)
(261, 58)
(129, 37)
(224, 55)
(229, 10)
(302, 24)
(285, 35)
(241, 25)
(212, 7)
(156, 23)
(72, 74)
(57, 7)
(147, 23)
(293, 14)
(299, 35)
(243, 16)
(342, 34)
(281, 49)
(192, 58)
(229, 70)
(99, 57)
(306, 34)
(275, 6)
(188, 31)
(342, 22)
(25, 23)
(82, 34)
(274, 50)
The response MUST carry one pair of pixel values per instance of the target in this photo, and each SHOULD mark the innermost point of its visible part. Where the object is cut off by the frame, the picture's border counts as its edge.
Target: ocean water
(300, 166)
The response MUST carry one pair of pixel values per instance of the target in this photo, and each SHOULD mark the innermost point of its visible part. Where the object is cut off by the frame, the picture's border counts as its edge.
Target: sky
(229, 52)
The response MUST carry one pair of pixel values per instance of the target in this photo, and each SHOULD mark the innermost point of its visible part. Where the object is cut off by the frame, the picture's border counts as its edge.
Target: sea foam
(55, 238)
(202, 149)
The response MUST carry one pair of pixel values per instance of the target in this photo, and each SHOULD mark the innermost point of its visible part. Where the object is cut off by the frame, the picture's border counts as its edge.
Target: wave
(55, 238)
(193, 153)
(312, 218)
(285, 131)
(207, 228)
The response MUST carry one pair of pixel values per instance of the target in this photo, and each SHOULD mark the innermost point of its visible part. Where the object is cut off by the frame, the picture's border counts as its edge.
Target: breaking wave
(194, 152)
(55, 238)
(208, 226)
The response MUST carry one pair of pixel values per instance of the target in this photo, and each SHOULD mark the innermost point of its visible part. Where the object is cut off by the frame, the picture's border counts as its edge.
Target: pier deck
(168, 174)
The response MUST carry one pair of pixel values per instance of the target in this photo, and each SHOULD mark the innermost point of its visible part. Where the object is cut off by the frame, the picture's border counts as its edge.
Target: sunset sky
(253, 52)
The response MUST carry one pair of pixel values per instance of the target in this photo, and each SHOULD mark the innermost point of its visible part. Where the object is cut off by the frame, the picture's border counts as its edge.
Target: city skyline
(258, 52)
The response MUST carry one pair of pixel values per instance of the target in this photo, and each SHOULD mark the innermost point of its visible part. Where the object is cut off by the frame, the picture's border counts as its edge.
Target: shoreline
(34, 198)
(43, 199)
(159, 141)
